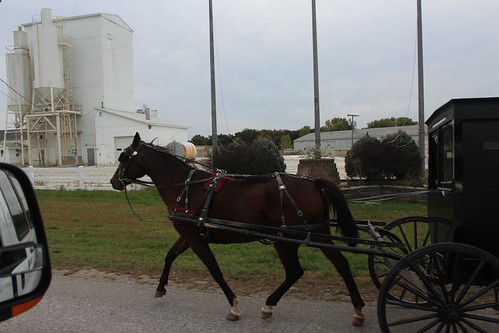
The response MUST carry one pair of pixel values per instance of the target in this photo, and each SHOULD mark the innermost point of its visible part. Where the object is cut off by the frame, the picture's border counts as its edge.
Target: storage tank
(47, 56)
(19, 74)
(185, 150)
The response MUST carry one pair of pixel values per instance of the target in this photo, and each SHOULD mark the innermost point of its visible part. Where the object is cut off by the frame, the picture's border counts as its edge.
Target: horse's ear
(136, 139)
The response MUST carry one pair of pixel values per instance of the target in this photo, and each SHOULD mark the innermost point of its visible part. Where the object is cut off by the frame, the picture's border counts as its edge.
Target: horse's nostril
(117, 185)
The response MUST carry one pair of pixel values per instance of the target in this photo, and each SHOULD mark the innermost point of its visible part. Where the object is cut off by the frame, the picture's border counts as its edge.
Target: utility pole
(352, 115)
(422, 145)
(214, 136)
(316, 85)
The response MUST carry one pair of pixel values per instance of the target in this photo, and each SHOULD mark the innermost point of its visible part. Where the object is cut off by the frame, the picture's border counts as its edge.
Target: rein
(137, 214)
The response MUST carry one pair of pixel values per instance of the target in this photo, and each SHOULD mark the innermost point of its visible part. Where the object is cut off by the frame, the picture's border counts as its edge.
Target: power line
(14, 90)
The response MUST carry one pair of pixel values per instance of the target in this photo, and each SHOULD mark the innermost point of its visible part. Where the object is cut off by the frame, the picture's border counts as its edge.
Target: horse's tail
(337, 201)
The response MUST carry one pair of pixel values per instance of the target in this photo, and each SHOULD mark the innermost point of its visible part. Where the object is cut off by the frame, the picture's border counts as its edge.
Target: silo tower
(51, 122)
(20, 92)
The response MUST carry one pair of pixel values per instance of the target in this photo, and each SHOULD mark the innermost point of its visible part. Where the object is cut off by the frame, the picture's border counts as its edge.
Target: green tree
(200, 140)
(247, 135)
(304, 131)
(286, 142)
(391, 122)
(337, 124)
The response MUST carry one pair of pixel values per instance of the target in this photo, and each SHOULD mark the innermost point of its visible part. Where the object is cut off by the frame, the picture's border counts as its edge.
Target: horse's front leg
(178, 248)
(203, 251)
(288, 254)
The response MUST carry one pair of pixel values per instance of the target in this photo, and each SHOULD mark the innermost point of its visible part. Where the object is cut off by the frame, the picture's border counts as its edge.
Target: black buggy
(447, 277)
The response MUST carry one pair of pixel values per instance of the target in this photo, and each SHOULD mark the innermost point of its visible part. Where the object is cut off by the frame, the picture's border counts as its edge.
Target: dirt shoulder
(310, 286)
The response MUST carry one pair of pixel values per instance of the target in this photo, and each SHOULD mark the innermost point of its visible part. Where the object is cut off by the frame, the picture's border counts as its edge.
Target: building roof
(412, 130)
(111, 17)
(140, 117)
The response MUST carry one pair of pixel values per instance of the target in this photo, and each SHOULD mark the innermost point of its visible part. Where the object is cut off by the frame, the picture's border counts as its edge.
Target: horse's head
(129, 168)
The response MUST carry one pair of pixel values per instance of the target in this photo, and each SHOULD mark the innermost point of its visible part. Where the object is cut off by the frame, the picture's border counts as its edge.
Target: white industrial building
(71, 97)
(339, 142)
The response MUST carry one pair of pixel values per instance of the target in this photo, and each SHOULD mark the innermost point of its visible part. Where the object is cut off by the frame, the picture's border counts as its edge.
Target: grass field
(97, 229)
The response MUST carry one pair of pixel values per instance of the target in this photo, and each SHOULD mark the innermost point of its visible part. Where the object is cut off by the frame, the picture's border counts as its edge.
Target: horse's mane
(156, 147)
(168, 152)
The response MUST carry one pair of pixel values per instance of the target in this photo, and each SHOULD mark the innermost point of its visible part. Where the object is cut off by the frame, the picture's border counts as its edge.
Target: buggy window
(441, 163)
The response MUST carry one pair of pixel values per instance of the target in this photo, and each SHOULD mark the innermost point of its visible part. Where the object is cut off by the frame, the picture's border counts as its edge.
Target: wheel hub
(450, 313)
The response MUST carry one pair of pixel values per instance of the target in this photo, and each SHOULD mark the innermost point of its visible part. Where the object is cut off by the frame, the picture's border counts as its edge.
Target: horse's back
(266, 200)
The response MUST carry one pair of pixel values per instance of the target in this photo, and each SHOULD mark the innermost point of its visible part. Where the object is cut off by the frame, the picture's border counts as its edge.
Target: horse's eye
(123, 158)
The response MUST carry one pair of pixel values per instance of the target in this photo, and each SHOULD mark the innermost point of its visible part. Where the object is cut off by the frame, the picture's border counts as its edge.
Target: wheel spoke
(426, 238)
(437, 260)
(416, 319)
(481, 307)
(455, 279)
(406, 240)
(482, 318)
(470, 281)
(409, 286)
(415, 235)
(424, 279)
(411, 306)
(472, 325)
(481, 292)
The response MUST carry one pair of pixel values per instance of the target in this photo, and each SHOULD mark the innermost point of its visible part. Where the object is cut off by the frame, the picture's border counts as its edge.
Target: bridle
(124, 160)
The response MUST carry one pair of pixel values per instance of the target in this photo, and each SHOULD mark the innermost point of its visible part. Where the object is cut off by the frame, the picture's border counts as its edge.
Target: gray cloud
(264, 57)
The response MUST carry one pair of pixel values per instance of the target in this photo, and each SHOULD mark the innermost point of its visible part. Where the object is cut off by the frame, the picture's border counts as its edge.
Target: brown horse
(279, 200)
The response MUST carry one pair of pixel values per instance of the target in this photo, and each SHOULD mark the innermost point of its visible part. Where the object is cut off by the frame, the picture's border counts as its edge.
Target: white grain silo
(82, 94)
(48, 80)
(51, 123)
(19, 74)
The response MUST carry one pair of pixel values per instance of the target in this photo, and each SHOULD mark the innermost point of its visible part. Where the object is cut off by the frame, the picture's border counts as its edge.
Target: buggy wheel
(456, 282)
(413, 232)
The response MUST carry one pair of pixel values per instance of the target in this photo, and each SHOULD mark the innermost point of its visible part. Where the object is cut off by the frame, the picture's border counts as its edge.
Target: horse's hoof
(235, 311)
(358, 319)
(266, 315)
(160, 293)
(232, 317)
(266, 311)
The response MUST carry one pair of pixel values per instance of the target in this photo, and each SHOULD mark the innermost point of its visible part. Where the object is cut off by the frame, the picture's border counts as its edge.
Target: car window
(21, 224)
(25, 206)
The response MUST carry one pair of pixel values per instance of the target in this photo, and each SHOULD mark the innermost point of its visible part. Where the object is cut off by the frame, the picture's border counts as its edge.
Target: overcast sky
(367, 51)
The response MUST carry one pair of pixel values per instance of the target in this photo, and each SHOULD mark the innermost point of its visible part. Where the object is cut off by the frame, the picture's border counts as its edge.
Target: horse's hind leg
(288, 254)
(341, 264)
(178, 248)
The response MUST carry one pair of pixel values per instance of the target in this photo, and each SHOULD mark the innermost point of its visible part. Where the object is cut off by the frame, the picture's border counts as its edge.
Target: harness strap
(283, 190)
(185, 191)
(177, 214)
(212, 188)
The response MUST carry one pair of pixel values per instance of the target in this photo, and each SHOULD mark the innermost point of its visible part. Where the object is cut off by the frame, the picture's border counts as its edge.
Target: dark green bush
(261, 157)
(365, 159)
(396, 156)
(401, 156)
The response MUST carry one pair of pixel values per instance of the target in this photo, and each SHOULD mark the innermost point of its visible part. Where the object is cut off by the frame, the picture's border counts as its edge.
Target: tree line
(284, 138)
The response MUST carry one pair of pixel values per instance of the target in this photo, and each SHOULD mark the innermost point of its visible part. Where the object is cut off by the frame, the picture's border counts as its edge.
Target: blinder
(124, 158)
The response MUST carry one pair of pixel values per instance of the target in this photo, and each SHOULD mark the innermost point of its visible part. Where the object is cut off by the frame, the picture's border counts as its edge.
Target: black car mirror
(25, 271)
